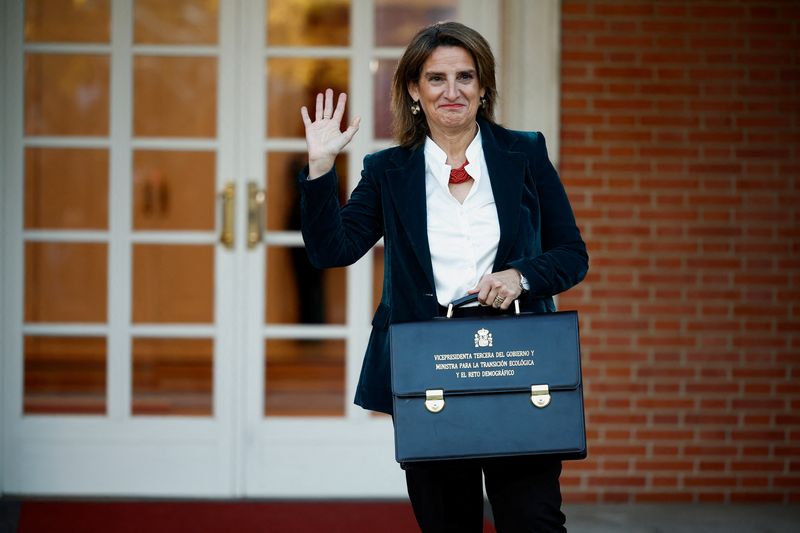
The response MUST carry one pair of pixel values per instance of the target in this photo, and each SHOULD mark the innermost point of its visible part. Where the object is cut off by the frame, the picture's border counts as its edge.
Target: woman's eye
(466, 76)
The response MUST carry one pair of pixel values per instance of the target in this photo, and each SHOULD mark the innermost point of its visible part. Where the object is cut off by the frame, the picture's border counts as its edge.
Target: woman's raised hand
(324, 136)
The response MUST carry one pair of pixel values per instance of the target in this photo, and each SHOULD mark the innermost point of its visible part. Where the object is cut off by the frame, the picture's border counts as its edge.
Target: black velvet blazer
(538, 235)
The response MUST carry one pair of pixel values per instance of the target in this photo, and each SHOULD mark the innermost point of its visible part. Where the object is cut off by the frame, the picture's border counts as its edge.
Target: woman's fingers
(351, 129)
(338, 113)
(306, 118)
(318, 108)
(328, 110)
(498, 289)
(324, 109)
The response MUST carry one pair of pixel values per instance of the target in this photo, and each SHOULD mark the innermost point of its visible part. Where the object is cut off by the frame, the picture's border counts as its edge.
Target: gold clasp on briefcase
(540, 395)
(434, 400)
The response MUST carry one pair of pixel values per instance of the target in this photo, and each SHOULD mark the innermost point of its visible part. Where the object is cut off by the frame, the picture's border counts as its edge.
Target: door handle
(228, 196)
(256, 198)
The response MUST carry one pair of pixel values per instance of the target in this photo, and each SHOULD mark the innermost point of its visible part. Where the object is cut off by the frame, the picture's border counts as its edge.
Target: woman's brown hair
(409, 129)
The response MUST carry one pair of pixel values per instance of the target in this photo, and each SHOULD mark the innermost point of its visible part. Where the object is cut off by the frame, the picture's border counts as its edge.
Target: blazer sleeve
(564, 261)
(338, 235)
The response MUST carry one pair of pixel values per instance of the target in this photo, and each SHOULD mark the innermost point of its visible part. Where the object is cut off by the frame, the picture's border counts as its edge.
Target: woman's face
(448, 89)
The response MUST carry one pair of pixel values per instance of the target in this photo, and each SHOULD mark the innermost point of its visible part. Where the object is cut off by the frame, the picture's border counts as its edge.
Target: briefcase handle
(468, 299)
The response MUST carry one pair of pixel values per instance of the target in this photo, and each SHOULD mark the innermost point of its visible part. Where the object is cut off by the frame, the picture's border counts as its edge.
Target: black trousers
(447, 496)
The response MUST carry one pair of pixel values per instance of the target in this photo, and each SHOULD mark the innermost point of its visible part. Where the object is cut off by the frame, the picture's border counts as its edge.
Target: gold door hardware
(228, 196)
(255, 214)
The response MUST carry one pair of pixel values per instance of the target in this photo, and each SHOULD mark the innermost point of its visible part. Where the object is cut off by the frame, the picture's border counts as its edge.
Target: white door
(163, 333)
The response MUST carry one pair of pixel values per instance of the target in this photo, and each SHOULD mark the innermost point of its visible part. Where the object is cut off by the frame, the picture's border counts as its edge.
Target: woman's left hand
(499, 289)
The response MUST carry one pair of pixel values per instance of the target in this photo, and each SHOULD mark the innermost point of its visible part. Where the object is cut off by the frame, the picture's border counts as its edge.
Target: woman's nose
(452, 92)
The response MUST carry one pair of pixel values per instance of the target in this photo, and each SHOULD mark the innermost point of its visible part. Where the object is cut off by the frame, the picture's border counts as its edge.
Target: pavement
(683, 518)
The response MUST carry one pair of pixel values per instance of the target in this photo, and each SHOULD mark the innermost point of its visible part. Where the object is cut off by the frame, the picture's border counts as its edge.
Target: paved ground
(666, 518)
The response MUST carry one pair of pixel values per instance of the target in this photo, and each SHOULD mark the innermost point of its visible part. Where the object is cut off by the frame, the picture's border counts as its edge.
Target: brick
(616, 497)
(617, 449)
(710, 389)
(710, 450)
(711, 497)
(710, 481)
(670, 10)
(581, 56)
(756, 497)
(628, 9)
(583, 25)
(787, 481)
(674, 435)
(671, 27)
(757, 466)
(582, 497)
(771, 436)
(712, 466)
(687, 110)
(764, 373)
(757, 481)
(616, 481)
(673, 89)
(632, 104)
(610, 418)
(623, 41)
(717, 11)
(665, 481)
(726, 420)
(660, 465)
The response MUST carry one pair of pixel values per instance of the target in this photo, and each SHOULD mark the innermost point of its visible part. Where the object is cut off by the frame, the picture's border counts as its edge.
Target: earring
(483, 101)
(415, 108)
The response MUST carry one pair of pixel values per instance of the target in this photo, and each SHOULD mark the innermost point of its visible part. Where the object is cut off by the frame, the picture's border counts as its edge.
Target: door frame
(250, 445)
(118, 445)
(5, 58)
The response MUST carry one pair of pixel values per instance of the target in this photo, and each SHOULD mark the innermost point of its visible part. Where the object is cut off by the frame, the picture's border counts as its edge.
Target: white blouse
(462, 237)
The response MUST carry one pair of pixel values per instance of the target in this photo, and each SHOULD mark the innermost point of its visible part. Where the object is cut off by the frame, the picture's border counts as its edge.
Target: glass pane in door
(173, 190)
(66, 188)
(64, 375)
(308, 22)
(295, 82)
(66, 21)
(304, 377)
(381, 96)
(66, 282)
(173, 283)
(283, 199)
(172, 376)
(66, 94)
(175, 21)
(175, 96)
(299, 293)
(396, 21)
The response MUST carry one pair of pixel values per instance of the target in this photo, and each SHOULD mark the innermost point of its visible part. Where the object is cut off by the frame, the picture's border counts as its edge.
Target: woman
(464, 206)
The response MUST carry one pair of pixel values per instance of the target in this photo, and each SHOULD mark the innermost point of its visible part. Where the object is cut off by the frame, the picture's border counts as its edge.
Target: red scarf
(459, 175)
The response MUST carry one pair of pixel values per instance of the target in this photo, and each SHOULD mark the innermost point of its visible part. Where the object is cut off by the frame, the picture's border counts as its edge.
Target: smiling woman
(464, 206)
(448, 92)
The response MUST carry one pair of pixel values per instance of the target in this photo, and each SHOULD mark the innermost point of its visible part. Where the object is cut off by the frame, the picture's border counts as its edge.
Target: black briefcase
(488, 386)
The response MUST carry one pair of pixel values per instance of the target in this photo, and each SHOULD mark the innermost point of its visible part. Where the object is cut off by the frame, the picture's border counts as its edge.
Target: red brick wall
(680, 150)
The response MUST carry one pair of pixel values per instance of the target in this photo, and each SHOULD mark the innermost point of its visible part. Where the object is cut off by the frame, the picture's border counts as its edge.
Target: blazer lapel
(407, 187)
(507, 172)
